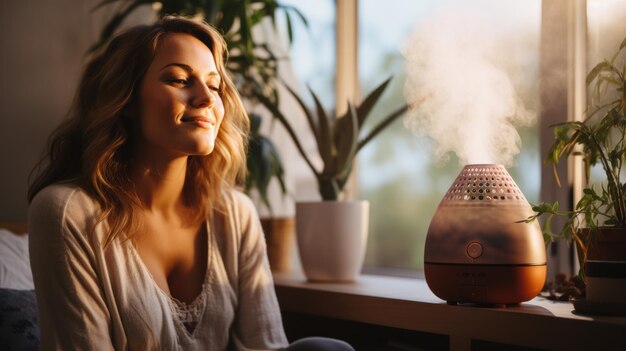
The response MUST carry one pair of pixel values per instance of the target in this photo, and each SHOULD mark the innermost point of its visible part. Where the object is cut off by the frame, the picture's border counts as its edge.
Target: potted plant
(597, 224)
(332, 234)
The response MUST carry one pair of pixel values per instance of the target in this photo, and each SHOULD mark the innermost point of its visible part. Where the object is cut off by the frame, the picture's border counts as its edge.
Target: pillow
(15, 270)
(19, 325)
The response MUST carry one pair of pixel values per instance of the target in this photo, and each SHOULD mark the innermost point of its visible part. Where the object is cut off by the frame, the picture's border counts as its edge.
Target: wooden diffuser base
(485, 284)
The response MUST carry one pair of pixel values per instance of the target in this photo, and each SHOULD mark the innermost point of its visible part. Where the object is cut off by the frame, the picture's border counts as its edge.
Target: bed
(19, 328)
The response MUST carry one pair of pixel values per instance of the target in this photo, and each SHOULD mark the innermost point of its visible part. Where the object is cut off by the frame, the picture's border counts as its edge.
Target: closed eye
(182, 82)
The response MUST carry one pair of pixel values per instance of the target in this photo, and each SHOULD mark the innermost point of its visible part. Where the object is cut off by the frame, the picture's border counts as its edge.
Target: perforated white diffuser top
(484, 183)
(477, 250)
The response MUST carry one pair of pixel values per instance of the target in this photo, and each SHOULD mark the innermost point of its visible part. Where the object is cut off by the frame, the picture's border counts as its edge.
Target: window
(606, 23)
(312, 54)
(309, 62)
(399, 173)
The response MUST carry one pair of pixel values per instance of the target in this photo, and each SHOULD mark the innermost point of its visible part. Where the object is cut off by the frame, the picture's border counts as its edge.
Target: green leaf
(305, 109)
(291, 9)
(325, 143)
(289, 29)
(368, 103)
(382, 125)
(600, 67)
(256, 17)
(555, 207)
(255, 123)
(590, 192)
(345, 136)
(245, 30)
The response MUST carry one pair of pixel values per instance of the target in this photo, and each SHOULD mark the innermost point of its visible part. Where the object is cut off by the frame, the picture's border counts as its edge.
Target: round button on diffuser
(474, 249)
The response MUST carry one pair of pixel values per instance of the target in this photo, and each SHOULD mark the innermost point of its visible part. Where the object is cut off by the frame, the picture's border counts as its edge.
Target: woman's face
(180, 109)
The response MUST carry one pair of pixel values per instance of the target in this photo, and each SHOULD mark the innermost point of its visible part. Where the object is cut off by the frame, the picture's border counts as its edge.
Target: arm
(258, 323)
(72, 311)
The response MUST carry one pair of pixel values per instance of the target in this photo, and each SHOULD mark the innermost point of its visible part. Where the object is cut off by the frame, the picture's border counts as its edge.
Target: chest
(175, 256)
(151, 318)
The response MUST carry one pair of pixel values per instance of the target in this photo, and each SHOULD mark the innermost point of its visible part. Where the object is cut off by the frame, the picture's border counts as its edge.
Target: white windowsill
(409, 304)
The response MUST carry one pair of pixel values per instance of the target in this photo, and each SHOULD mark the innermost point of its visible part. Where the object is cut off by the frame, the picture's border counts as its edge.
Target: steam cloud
(458, 95)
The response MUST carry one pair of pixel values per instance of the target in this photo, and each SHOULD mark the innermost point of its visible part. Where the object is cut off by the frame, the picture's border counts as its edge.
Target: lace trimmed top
(92, 298)
(189, 314)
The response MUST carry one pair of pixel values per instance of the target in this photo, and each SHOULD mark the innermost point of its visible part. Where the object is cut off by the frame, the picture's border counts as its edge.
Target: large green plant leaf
(337, 138)
(370, 100)
(345, 136)
(308, 114)
(382, 125)
(325, 142)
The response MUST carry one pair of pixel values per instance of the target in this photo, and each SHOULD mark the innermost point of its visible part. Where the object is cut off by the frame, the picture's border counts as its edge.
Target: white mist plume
(458, 96)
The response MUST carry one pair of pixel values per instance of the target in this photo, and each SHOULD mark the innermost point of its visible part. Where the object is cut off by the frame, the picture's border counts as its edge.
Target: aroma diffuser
(476, 250)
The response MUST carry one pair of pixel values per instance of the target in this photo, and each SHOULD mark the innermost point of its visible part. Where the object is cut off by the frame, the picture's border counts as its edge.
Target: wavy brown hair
(92, 147)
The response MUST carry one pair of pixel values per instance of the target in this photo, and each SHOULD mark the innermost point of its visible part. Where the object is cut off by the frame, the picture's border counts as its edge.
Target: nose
(203, 96)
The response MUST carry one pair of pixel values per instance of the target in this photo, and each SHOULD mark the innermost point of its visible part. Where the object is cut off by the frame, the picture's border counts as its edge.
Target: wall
(42, 46)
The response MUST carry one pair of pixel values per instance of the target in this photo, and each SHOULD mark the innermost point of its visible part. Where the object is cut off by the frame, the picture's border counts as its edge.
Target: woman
(138, 239)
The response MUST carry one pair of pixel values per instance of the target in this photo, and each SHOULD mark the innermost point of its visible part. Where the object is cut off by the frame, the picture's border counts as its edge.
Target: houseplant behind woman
(332, 234)
(139, 239)
(598, 222)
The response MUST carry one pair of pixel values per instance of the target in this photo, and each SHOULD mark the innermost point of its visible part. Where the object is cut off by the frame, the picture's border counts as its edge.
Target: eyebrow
(187, 68)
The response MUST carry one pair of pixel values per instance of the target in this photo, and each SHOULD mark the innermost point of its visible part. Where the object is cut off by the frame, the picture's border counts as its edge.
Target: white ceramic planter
(331, 237)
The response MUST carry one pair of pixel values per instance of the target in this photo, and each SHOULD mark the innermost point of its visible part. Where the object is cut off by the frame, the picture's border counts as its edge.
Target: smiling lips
(202, 122)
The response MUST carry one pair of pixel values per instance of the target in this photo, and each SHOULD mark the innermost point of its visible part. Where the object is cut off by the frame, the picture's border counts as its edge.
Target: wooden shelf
(409, 304)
